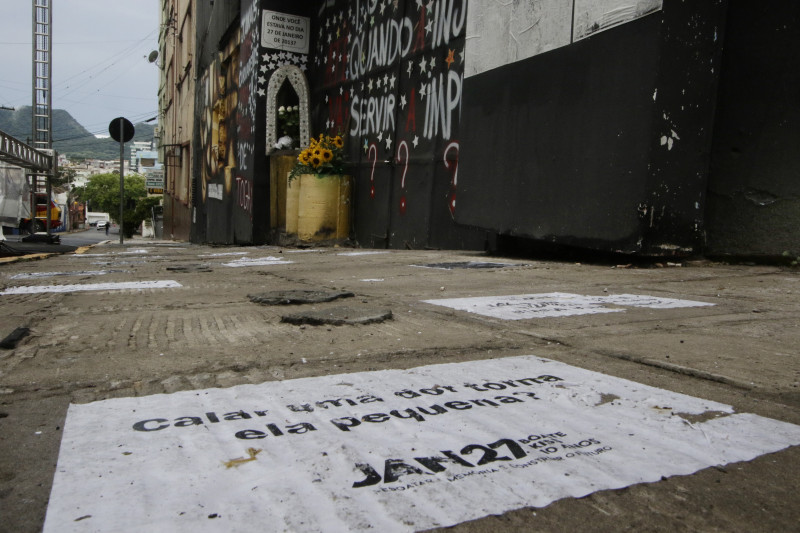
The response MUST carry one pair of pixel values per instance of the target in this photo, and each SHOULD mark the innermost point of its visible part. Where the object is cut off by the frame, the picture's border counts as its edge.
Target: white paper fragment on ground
(136, 251)
(392, 450)
(370, 252)
(557, 304)
(257, 261)
(117, 286)
(223, 254)
(34, 275)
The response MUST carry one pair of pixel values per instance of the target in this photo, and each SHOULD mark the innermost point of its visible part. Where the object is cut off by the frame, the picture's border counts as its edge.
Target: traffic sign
(127, 129)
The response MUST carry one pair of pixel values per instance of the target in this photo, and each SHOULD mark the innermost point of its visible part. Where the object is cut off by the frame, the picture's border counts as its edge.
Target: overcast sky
(100, 68)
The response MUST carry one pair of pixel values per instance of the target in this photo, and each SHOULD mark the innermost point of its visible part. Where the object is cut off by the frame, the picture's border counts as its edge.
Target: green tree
(102, 193)
(65, 176)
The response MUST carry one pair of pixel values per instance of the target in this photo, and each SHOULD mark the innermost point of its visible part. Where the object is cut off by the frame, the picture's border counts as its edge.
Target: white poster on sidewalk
(558, 304)
(85, 287)
(394, 450)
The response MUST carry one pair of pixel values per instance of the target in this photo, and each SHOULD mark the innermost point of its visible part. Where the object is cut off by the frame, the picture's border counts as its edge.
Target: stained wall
(754, 188)
(592, 126)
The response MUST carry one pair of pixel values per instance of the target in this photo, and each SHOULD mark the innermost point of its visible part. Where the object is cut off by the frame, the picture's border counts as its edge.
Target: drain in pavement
(467, 264)
(189, 268)
(297, 297)
(338, 316)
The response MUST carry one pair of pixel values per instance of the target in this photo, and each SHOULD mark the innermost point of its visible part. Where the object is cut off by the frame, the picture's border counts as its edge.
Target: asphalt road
(85, 237)
(88, 237)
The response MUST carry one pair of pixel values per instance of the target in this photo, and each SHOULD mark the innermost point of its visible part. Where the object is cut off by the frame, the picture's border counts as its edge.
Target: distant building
(144, 161)
(176, 96)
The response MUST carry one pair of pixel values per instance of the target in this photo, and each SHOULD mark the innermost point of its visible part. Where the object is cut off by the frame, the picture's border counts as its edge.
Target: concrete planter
(318, 207)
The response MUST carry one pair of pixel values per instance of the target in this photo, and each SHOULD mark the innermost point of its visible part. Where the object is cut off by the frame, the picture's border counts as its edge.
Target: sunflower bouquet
(324, 156)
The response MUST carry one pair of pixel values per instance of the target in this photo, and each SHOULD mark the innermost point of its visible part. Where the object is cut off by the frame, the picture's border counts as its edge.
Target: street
(653, 398)
(87, 237)
(76, 238)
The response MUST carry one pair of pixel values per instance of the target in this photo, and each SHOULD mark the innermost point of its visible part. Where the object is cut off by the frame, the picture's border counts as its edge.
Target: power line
(105, 65)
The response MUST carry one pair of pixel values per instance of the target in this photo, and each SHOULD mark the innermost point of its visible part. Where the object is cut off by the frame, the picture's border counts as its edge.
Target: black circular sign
(127, 129)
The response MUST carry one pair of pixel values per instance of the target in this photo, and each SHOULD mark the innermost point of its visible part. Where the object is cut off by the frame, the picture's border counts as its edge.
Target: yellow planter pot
(323, 205)
(292, 205)
(280, 166)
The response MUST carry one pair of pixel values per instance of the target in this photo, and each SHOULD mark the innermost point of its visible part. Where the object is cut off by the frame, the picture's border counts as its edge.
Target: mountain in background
(69, 137)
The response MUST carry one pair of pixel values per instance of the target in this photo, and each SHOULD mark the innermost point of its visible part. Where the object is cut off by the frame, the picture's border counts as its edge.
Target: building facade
(471, 125)
(176, 95)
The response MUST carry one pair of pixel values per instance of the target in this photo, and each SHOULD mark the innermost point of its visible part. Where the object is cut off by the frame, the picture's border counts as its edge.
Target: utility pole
(42, 107)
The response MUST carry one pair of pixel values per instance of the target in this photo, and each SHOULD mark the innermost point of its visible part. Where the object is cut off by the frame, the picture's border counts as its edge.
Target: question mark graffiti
(372, 175)
(451, 204)
(397, 159)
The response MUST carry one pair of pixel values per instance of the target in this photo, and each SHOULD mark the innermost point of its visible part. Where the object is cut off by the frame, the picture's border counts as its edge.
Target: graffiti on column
(452, 165)
(218, 119)
(246, 111)
(392, 73)
(402, 159)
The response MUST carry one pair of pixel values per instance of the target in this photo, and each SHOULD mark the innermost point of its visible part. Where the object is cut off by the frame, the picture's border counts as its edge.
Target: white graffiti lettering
(380, 46)
(444, 96)
(447, 21)
(244, 194)
(372, 115)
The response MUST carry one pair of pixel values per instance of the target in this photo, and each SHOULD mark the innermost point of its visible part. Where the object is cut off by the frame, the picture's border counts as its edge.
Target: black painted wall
(754, 189)
(388, 75)
(211, 220)
(602, 144)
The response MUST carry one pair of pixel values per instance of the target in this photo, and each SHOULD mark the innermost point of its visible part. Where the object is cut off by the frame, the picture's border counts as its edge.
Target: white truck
(93, 217)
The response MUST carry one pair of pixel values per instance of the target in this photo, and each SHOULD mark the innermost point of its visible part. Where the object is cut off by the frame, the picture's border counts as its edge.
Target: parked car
(101, 224)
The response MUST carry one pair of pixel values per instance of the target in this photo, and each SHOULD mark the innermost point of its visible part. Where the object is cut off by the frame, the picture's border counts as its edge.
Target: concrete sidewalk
(739, 348)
